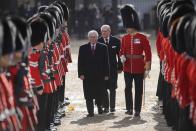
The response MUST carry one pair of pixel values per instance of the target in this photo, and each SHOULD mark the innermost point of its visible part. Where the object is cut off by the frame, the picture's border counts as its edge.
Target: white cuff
(122, 58)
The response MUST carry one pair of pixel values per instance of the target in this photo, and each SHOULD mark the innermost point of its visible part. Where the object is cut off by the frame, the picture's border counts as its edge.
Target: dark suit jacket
(94, 67)
(114, 59)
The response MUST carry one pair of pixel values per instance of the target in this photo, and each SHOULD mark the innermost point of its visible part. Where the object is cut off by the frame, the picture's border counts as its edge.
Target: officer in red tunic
(46, 71)
(136, 65)
(36, 63)
(18, 79)
(35, 58)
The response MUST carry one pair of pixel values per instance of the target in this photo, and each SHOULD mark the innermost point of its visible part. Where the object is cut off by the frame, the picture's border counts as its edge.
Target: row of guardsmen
(176, 47)
(34, 55)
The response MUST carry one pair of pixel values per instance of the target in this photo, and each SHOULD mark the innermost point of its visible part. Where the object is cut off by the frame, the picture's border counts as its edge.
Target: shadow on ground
(161, 122)
(128, 121)
(93, 120)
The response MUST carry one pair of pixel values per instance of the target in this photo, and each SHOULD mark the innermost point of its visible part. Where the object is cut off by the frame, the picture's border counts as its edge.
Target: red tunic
(183, 82)
(158, 42)
(162, 48)
(135, 45)
(48, 86)
(32, 117)
(4, 122)
(62, 60)
(56, 63)
(191, 72)
(34, 69)
(7, 88)
(7, 122)
(66, 43)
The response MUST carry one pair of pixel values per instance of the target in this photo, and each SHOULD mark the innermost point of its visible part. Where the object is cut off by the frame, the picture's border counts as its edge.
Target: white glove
(146, 74)
(48, 71)
(82, 77)
(106, 78)
(123, 59)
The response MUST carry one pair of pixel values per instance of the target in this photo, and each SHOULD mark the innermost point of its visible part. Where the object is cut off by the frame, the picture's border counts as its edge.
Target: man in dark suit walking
(93, 70)
(115, 66)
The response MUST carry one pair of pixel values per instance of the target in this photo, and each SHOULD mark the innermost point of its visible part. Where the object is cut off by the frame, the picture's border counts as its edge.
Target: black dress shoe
(112, 110)
(62, 115)
(90, 115)
(129, 112)
(137, 114)
(106, 110)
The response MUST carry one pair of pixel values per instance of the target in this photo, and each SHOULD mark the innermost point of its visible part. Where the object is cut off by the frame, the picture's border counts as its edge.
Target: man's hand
(82, 77)
(123, 59)
(146, 74)
(106, 78)
(147, 66)
(40, 92)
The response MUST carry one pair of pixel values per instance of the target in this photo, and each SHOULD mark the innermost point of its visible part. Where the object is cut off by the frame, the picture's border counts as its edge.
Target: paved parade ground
(76, 120)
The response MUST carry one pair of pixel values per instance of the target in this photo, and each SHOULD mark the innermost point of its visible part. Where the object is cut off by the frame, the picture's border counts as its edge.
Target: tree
(71, 7)
(115, 16)
(8, 6)
(87, 2)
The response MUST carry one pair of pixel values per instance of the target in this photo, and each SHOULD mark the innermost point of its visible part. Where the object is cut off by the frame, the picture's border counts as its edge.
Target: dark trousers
(90, 105)
(62, 91)
(49, 111)
(159, 92)
(185, 123)
(56, 99)
(138, 80)
(109, 98)
(93, 90)
(41, 114)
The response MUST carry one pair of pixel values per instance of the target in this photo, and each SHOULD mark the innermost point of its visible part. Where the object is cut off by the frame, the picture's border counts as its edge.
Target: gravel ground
(76, 119)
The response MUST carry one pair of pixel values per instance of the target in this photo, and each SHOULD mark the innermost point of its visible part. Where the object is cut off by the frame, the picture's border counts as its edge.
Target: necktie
(93, 49)
(106, 41)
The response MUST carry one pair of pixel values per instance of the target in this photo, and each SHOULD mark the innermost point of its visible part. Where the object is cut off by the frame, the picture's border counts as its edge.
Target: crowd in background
(93, 17)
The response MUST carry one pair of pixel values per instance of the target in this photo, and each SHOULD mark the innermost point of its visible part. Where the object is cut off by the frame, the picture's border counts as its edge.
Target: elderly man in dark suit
(93, 70)
(115, 66)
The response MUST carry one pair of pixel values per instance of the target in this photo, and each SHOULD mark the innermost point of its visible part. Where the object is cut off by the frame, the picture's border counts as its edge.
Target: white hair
(106, 27)
(93, 33)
